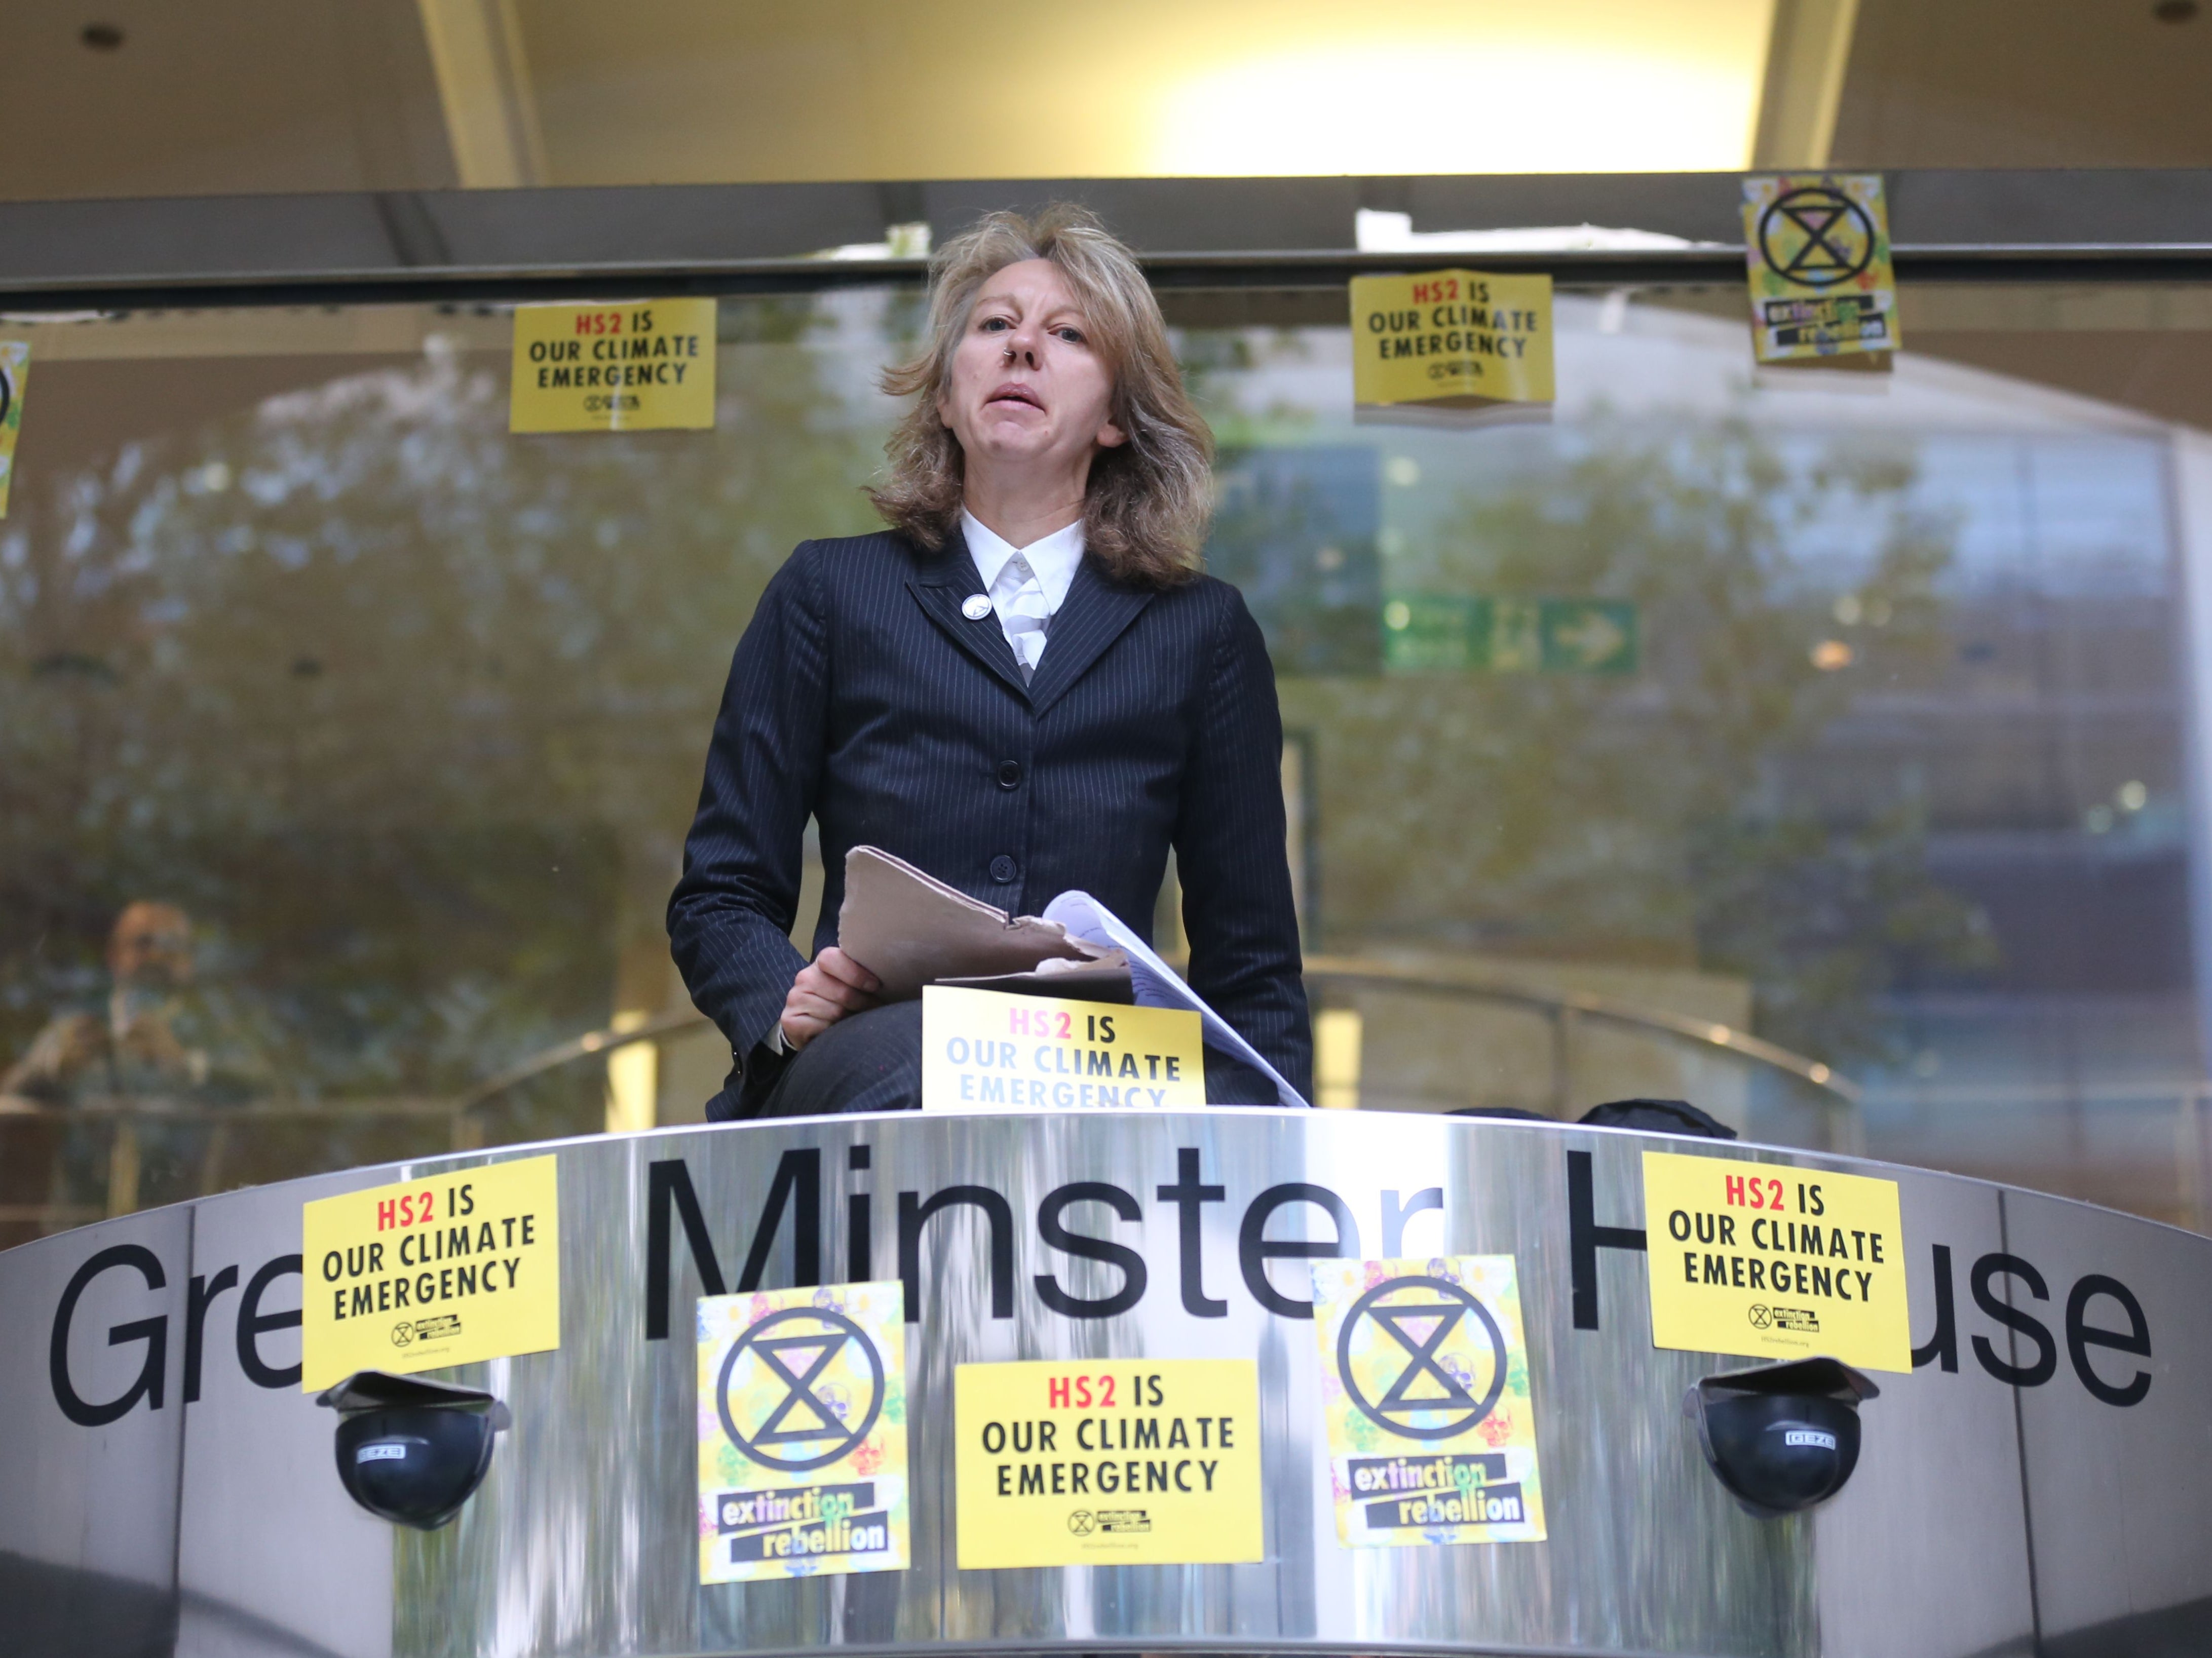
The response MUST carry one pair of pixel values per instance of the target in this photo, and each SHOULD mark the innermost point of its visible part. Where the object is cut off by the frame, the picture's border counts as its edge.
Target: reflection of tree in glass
(1294, 529)
(1662, 820)
(408, 711)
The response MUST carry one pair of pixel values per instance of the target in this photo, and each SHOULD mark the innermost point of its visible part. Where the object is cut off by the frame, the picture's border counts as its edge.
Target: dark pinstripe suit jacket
(861, 695)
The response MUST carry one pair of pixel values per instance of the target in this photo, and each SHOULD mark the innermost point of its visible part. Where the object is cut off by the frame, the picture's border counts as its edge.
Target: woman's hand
(825, 991)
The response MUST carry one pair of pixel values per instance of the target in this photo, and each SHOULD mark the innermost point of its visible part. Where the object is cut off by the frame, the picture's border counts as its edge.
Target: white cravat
(1026, 584)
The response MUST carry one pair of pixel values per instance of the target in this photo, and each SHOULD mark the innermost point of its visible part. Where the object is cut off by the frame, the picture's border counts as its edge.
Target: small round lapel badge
(975, 607)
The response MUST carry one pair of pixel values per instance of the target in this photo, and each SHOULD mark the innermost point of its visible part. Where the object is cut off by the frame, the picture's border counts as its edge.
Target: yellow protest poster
(1107, 1462)
(641, 365)
(1763, 1260)
(14, 371)
(447, 1269)
(1424, 1392)
(1821, 286)
(1448, 340)
(802, 1433)
(984, 1050)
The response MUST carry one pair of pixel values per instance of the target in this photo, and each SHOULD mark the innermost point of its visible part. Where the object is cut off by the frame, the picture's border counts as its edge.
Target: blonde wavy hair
(1148, 501)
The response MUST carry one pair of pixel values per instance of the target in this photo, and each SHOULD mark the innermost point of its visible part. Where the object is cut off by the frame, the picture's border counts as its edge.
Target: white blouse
(1027, 585)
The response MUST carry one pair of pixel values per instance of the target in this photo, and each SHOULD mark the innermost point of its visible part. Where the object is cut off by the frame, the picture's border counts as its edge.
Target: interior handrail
(577, 1047)
(1475, 984)
(1345, 971)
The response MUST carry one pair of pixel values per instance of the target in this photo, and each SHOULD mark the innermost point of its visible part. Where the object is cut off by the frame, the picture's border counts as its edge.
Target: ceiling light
(1541, 100)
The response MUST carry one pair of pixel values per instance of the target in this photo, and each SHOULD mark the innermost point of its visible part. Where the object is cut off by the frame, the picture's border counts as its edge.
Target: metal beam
(1807, 55)
(494, 245)
(485, 91)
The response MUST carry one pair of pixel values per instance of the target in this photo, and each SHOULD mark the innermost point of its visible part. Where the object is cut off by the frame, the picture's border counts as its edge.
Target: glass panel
(390, 721)
(1815, 748)
(1851, 710)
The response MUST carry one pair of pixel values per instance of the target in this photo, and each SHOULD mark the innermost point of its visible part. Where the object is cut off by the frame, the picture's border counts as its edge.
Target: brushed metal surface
(2121, 1500)
(242, 1589)
(89, 1513)
(1976, 1501)
(1926, 1553)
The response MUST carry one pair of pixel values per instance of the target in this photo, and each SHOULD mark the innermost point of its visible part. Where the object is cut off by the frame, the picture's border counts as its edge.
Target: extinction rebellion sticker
(1822, 289)
(14, 372)
(1425, 1389)
(802, 1433)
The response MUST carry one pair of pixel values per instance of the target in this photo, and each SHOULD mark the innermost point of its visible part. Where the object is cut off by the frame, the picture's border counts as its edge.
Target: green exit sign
(1443, 632)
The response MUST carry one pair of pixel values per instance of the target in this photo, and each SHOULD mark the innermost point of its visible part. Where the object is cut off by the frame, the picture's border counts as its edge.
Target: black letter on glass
(252, 1322)
(1585, 1237)
(154, 1331)
(2046, 1362)
(199, 1295)
(2080, 1337)
(1254, 1250)
(801, 1171)
(913, 1213)
(668, 1184)
(1395, 1215)
(859, 1239)
(1944, 1344)
(1187, 1195)
(1057, 1237)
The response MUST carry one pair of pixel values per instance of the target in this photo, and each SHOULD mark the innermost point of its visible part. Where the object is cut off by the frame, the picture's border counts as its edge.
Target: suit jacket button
(1009, 774)
(1002, 869)
(975, 607)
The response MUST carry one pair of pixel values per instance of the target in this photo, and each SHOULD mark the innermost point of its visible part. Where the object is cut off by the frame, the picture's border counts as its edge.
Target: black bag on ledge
(1650, 1116)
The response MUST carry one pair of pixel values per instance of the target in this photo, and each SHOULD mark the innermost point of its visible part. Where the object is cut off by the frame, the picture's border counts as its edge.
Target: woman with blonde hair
(1025, 685)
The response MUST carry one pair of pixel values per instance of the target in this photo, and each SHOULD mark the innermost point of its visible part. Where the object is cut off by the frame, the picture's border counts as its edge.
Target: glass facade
(1815, 747)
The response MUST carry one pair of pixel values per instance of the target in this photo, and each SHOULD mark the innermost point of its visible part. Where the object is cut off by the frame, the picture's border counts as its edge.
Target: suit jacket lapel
(1092, 617)
(940, 587)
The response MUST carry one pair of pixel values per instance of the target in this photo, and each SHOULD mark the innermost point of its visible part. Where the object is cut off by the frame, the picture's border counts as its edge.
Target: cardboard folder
(910, 929)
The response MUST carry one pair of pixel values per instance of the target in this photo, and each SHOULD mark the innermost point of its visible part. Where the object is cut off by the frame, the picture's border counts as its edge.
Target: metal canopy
(459, 246)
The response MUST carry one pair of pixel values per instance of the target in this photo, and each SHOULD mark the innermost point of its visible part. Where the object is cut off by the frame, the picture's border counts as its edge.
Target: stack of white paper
(910, 929)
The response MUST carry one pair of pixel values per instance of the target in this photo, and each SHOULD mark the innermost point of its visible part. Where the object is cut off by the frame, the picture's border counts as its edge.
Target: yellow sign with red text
(1107, 1462)
(986, 1050)
(1766, 1260)
(1451, 339)
(639, 367)
(446, 1269)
